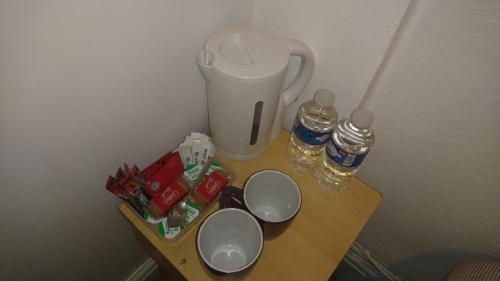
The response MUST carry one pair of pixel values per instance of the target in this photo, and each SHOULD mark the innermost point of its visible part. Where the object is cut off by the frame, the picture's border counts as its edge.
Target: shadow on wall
(431, 263)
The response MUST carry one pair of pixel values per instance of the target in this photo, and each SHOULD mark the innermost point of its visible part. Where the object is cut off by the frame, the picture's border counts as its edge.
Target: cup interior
(272, 196)
(230, 240)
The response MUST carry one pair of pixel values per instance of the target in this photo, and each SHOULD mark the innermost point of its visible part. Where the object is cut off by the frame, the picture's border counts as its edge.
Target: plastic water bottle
(313, 126)
(346, 150)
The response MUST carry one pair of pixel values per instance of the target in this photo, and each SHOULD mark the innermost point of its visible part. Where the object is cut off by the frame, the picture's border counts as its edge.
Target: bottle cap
(362, 118)
(324, 97)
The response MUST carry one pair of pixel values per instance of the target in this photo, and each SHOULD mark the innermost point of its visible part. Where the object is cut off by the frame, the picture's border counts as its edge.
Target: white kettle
(245, 67)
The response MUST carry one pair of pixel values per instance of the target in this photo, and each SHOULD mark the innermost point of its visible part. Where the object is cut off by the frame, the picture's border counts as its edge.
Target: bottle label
(309, 136)
(343, 158)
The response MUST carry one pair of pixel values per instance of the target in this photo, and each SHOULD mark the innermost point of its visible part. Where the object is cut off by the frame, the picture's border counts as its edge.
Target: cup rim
(202, 226)
(295, 184)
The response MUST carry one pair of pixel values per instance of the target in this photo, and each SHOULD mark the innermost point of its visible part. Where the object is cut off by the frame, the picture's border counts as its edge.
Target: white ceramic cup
(229, 240)
(272, 196)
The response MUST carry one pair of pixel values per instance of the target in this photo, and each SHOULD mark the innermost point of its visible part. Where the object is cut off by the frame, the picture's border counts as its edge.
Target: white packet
(199, 136)
(196, 149)
(186, 153)
(205, 149)
(211, 150)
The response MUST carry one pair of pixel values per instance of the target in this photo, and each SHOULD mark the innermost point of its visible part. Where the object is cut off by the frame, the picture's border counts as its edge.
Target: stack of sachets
(196, 151)
(172, 191)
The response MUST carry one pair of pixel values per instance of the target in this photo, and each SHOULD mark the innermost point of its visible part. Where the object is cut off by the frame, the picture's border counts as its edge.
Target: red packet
(172, 194)
(157, 165)
(126, 169)
(111, 186)
(209, 188)
(119, 174)
(138, 176)
(171, 170)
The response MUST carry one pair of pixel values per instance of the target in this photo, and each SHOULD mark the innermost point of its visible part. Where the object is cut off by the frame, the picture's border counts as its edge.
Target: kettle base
(239, 156)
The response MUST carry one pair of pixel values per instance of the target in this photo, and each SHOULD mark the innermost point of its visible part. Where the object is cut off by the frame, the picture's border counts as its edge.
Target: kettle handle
(296, 48)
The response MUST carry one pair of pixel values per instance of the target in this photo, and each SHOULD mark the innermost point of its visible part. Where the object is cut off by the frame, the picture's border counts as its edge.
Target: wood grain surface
(310, 249)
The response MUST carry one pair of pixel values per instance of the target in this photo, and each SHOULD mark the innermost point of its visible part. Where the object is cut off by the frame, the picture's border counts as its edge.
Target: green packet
(214, 166)
(192, 211)
(150, 218)
(192, 172)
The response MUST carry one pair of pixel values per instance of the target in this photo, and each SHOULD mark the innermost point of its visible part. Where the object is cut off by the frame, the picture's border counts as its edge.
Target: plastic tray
(172, 234)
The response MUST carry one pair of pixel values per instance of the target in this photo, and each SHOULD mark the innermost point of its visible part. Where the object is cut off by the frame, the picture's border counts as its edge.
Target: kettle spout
(205, 59)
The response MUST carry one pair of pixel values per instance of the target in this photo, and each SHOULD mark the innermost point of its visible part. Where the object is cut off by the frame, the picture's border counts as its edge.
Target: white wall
(84, 87)
(437, 155)
(348, 39)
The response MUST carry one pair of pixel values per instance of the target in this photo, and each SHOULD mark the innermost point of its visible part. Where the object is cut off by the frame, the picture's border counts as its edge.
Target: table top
(312, 246)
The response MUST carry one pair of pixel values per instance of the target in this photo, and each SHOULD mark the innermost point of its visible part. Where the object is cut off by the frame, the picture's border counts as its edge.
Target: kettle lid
(248, 52)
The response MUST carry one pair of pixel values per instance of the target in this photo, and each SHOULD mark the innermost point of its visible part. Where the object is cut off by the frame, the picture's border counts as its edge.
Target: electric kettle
(244, 68)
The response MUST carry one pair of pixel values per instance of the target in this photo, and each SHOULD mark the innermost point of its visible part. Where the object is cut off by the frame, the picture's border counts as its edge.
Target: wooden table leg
(160, 259)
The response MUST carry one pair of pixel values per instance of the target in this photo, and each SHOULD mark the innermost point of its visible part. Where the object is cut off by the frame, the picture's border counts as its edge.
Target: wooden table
(310, 249)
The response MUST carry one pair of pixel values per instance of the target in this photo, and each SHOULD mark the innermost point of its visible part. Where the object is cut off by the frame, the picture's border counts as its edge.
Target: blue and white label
(343, 158)
(309, 136)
